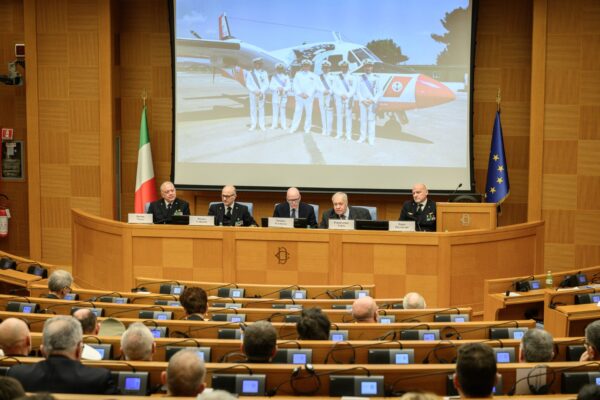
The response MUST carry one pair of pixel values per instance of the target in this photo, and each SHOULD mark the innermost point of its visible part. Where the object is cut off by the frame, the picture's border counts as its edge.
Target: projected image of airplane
(401, 91)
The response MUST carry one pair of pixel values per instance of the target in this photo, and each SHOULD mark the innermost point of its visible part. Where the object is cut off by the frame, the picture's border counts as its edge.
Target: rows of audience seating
(177, 338)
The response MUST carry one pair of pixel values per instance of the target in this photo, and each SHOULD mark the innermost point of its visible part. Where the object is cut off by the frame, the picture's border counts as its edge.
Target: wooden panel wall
(12, 115)
(67, 103)
(571, 150)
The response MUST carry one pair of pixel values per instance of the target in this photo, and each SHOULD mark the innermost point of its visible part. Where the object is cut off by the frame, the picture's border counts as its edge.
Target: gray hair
(537, 346)
(59, 280)
(216, 395)
(185, 373)
(592, 335)
(61, 334)
(413, 300)
(343, 195)
(136, 342)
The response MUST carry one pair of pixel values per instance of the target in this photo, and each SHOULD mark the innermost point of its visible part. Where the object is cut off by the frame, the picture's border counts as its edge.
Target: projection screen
(420, 91)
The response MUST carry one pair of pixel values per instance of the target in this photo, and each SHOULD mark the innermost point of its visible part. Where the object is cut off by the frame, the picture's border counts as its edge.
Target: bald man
(364, 309)
(15, 339)
(185, 374)
(164, 209)
(420, 209)
(412, 301)
(294, 208)
(230, 213)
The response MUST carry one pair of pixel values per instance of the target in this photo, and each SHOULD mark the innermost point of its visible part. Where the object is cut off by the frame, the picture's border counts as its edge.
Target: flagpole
(144, 96)
(498, 100)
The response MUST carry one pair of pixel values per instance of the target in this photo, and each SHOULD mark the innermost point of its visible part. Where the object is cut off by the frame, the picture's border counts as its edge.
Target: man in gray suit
(341, 210)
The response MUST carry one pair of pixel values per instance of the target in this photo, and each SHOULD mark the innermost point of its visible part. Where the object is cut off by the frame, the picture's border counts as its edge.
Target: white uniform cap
(306, 62)
(343, 63)
(257, 59)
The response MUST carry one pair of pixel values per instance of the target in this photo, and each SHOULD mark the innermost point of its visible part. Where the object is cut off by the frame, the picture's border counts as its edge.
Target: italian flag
(145, 184)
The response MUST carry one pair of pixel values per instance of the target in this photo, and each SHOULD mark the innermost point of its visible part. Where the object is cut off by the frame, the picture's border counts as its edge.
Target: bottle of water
(549, 280)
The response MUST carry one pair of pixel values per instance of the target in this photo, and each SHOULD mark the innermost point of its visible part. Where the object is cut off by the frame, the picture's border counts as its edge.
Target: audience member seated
(185, 374)
(364, 309)
(195, 303)
(59, 284)
(313, 325)
(475, 374)
(537, 345)
(89, 326)
(592, 342)
(137, 343)
(589, 392)
(10, 388)
(15, 339)
(412, 301)
(260, 342)
(419, 396)
(61, 371)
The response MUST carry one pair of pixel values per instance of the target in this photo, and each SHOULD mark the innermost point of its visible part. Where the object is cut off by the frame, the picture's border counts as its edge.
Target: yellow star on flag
(499, 180)
(495, 157)
(492, 190)
(501, 168)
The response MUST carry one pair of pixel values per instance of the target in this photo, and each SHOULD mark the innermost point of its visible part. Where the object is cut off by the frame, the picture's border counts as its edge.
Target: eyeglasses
(293, 200)
(227, 196)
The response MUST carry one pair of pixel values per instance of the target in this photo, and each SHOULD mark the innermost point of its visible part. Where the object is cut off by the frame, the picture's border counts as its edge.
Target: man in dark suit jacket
(341, 210)
(420, 209)
(61, 371)
(230, 213)
(163, 210)
(299, 209)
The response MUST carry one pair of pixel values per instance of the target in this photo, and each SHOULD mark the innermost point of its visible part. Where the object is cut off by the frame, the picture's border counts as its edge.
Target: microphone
(457, 333)
(67, 303)
(279, 314)
(439, 346)
(278, 291)
(156, 296)
(222, 286)
(129, 310)
(140, 286)
(330, 293)
(95, 298)
(414, 318)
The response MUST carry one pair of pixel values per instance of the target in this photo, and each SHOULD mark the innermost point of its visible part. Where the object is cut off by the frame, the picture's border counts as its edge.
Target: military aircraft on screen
(401, 91)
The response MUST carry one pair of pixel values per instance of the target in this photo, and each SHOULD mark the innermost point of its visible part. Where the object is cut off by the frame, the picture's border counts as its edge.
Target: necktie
(169, 206)
(293, 213)
(343, 216)
(228, 215)
(420, 208)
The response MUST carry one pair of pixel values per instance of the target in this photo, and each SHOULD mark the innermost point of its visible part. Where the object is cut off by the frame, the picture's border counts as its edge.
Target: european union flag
(497, 187)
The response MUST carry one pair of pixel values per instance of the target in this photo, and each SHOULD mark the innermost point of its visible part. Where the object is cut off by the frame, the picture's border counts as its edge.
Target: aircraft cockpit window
(352, 58)
(364, 54)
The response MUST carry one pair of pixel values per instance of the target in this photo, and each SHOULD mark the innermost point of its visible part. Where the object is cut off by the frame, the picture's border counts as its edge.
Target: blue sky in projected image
(277, 24)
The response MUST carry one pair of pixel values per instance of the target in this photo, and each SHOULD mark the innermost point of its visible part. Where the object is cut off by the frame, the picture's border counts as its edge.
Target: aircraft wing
(225, 53)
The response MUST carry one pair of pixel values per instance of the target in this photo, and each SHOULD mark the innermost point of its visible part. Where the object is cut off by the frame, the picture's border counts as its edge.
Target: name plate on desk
(139, 218)
(342, 224)
(402, 226)
(275, 222)
(202, 220)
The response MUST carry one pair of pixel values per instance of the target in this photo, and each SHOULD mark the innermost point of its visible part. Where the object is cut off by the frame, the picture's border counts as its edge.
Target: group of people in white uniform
(334, 91)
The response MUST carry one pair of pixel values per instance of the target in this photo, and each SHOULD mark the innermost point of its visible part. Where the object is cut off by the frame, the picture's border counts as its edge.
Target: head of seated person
(364, 309)
(59, 284)
(88, 320)
(216, 395)
(476, 369)
(313, 325)
(15, 339)
(10, 388)
(195, 302)
(413, 301)
(592, 342)
(185, 374)
(62, 336)
(589, 392)
(137, 343)
(537, 345)
(260, 342)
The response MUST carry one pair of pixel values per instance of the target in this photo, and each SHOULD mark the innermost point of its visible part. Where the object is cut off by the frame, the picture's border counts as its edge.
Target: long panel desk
(446, 267)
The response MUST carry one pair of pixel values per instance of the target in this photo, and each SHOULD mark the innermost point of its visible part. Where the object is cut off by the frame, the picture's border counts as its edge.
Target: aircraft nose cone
(430, 92)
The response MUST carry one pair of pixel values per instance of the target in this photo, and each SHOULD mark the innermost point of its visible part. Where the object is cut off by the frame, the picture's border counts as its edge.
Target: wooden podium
(453, 217)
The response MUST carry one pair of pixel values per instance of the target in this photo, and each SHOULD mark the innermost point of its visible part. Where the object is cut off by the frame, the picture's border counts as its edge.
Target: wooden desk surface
(440, 266)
